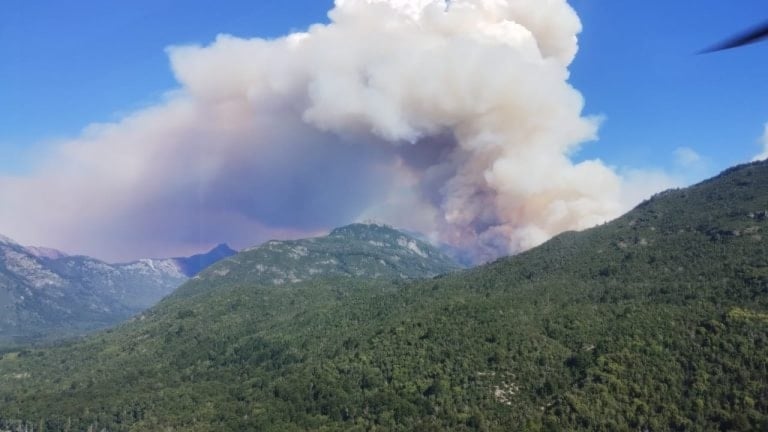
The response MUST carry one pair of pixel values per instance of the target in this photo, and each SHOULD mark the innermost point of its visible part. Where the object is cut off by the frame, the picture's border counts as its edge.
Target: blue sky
(68, 64)
(637, 66)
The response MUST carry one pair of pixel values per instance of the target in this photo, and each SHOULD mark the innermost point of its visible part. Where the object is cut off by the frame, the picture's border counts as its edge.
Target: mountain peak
(194, 264)
(44, 252)
(373, 251)
(382, 235)
(6, 240)
(223, 247)
(365, 231)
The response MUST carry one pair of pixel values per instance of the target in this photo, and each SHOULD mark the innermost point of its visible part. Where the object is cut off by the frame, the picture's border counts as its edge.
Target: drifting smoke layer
(455, 119)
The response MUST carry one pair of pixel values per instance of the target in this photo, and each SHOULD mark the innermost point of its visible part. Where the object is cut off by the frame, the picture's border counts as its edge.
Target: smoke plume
(764, 142)
(452, 118)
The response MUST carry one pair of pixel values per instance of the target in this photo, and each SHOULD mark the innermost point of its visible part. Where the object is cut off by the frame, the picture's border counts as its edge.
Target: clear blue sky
(637, 66)
(67, 64)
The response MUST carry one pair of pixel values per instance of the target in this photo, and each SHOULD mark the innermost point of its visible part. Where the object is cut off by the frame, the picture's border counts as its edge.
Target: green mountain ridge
(358, 250)
(655, 321)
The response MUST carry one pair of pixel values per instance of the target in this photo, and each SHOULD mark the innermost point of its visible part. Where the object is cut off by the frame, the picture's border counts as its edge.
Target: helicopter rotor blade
(756, 34)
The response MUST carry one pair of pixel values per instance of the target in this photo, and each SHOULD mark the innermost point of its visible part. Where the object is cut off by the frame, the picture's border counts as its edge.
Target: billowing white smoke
(764, 141)
(454, 118)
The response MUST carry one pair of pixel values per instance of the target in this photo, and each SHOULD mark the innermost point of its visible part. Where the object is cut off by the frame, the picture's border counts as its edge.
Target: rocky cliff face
(45, 293)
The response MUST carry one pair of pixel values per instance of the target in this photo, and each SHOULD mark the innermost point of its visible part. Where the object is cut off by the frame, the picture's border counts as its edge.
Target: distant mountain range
(46, 293)
(655, 321)
(191, 266)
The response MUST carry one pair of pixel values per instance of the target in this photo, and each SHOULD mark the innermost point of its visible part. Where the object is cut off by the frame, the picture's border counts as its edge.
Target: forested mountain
(367, 251)
(45, 293)
(656, 321)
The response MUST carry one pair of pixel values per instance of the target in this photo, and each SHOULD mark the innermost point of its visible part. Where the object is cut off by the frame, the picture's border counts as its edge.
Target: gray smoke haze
(455, 119)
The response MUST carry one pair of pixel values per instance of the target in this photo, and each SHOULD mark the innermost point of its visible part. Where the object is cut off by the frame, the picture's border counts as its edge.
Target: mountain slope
(45, 294)
(136, 285)
(655, 321)
(43, 252)
(358, 250)
(37, 300)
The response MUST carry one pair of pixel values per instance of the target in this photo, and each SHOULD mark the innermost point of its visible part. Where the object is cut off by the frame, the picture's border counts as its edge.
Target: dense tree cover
(372, 251)
(656, 321)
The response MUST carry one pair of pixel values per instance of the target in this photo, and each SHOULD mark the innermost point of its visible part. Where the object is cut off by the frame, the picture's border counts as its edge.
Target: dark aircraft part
(754, 35)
